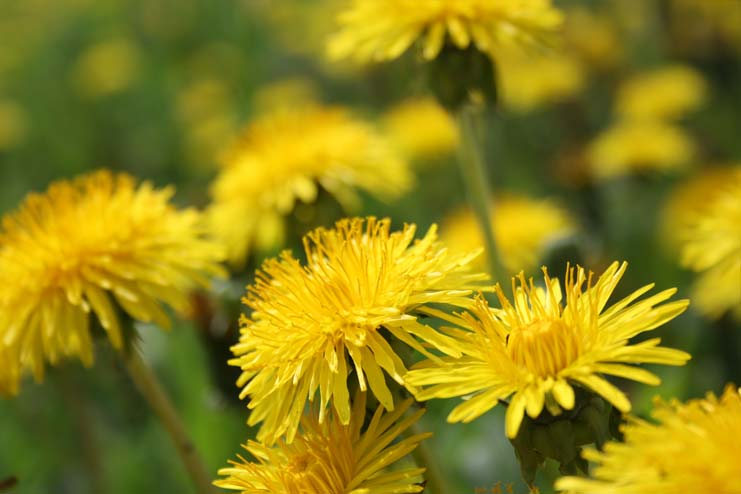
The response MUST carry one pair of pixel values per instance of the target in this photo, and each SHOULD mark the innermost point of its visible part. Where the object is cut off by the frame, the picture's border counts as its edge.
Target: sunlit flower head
(379, 30)
(639, 146)
(524, 228)
(536, 350)
(690, 447)
(286, 157)
(668, 92)
(524, 87)
(422, 129)
(361, 285)
(98, 245)
(708, 236)
(330, 457)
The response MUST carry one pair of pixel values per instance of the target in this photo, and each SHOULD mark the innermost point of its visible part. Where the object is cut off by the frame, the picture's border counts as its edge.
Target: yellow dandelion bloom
(379, 30)
(286, 157)
(538, 348)
(422, 129)
(663, 93)
(523, 228)
(523, 86)
(692, 447)
(94, 245)
(330, 457)
(639, 146)
(710, 243)
(360, 284)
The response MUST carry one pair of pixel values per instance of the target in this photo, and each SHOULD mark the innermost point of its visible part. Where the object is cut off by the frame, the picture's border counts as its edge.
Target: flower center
(299, 463)
(544, 347)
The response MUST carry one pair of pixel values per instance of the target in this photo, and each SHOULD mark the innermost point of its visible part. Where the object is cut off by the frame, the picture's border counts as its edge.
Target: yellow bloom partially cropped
(539, 348)
(691, 447)
(639, 146)
(709, 237)
(665, 93)
(95, 246)
(330, 457)
(523, 228)
(422, 129)
(527, 82)
(287, 156)
(379, 30)
(361, 284)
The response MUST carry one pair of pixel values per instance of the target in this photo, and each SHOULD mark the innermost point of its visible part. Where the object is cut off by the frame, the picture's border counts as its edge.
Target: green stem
(149, 386)
(476, 181)
(434, 481)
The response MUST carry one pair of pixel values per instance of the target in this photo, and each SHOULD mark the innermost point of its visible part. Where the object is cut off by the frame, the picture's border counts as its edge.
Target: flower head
(539, 348)
(96, 244)
(523, 228)
(361, 283)
(330, 457)
(379, 30)
(286, 157)
(692, 447)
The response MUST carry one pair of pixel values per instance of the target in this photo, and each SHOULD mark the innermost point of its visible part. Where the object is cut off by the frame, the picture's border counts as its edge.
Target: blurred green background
(157, 88)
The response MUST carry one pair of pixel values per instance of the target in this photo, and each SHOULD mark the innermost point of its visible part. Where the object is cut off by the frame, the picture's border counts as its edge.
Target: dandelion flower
(664, 93)
(539, 348)
(635, 146)
(379, 30)
(523, 227)
(96, 244)
(286, 157)
(710, 241)
(360, 284)
(422, 129)
(691, 447)
(330, 457)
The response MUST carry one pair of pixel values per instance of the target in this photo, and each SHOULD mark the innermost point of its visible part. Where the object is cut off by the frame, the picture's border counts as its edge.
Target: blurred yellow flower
(593, 37)
(422, 129)
(529, 81)
(709, 237)
(664, 93)
(639, 146)
(379, 30)
(360, 285)
(106, 68)
(538, 348)
(13, 124)
(699, 25)
(330, 457)
(286, 156)
(285, 94)
(523, 228)
(9, 372)
(95, 245)
(692, 447)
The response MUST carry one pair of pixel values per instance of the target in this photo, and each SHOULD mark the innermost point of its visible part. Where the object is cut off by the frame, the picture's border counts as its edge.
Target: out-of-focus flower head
(691, 447)
(100, 246)
(331, 457)
(380, 30)
(704, 220)
(664, 93)
(107, 67)
(539, 348)
(422, 129)
(361, 284)
(593, 37)
(639, 146)
(13, 124)
(285, 157)
(700, 26)
(523, 228)
(9, 372)
(285, 94)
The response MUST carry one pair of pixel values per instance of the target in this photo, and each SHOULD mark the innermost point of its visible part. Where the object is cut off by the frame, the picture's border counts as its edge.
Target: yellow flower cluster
(693, 447)
(99, 245)
(287, 156)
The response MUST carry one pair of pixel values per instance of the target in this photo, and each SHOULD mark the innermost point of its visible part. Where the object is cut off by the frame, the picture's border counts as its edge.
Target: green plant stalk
(476, 182)
(423, 457)
(150, 387)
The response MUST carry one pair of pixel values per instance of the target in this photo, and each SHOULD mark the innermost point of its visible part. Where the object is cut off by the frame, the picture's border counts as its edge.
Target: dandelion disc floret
(312, 323)
(691, 447)
(98, 245)
(333, 458)
(379, 30)
(539, 348)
